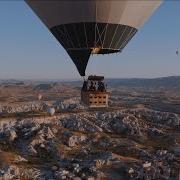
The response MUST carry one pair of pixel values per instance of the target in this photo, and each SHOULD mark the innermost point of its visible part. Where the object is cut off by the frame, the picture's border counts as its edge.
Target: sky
(29, 51)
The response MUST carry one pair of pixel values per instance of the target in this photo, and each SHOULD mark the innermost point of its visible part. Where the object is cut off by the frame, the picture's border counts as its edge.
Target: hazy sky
(29, 51)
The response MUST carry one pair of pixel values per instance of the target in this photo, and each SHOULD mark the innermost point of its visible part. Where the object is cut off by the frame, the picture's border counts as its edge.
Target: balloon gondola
(94, 92)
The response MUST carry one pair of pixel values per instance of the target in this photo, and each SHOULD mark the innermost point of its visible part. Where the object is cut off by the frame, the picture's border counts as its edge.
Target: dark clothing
(92, 87)
(101, 86)
(85, 86)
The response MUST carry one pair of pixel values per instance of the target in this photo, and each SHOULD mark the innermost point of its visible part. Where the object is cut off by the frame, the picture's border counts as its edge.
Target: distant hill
(11, 82)
(46, 87)
(172, 82)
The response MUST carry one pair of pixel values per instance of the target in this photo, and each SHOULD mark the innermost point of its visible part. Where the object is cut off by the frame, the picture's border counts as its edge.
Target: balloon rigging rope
(99, 35)
(130, 35)
(96, 23)
(62, 34)
(121, 36)
(125, 40)
(85, 34)
(113, 36)
(105, 35)
(77, 38)
(68, 35)
(84, 26)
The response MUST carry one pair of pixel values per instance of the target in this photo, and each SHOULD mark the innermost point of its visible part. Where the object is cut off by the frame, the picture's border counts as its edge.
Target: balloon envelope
(39, 96)
(85, 27)
(51, 111)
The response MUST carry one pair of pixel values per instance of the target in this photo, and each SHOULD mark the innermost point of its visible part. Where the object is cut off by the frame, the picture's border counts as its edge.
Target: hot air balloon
(177, 52)
(51, 111)
(39, 97)
(85, 27)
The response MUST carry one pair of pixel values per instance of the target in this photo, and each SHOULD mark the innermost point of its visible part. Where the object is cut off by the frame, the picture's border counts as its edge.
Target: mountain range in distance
(171, 82)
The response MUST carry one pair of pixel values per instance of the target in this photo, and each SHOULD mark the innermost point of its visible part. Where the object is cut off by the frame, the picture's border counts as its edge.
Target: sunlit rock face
(36, 106)
(68, 104)
(22, 108)
(85, 144)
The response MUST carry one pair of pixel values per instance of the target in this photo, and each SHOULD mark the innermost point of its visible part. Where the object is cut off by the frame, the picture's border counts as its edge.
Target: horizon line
(80, 79)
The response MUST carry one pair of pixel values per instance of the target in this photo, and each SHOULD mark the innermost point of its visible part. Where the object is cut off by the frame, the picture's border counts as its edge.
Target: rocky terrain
(128, 140)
